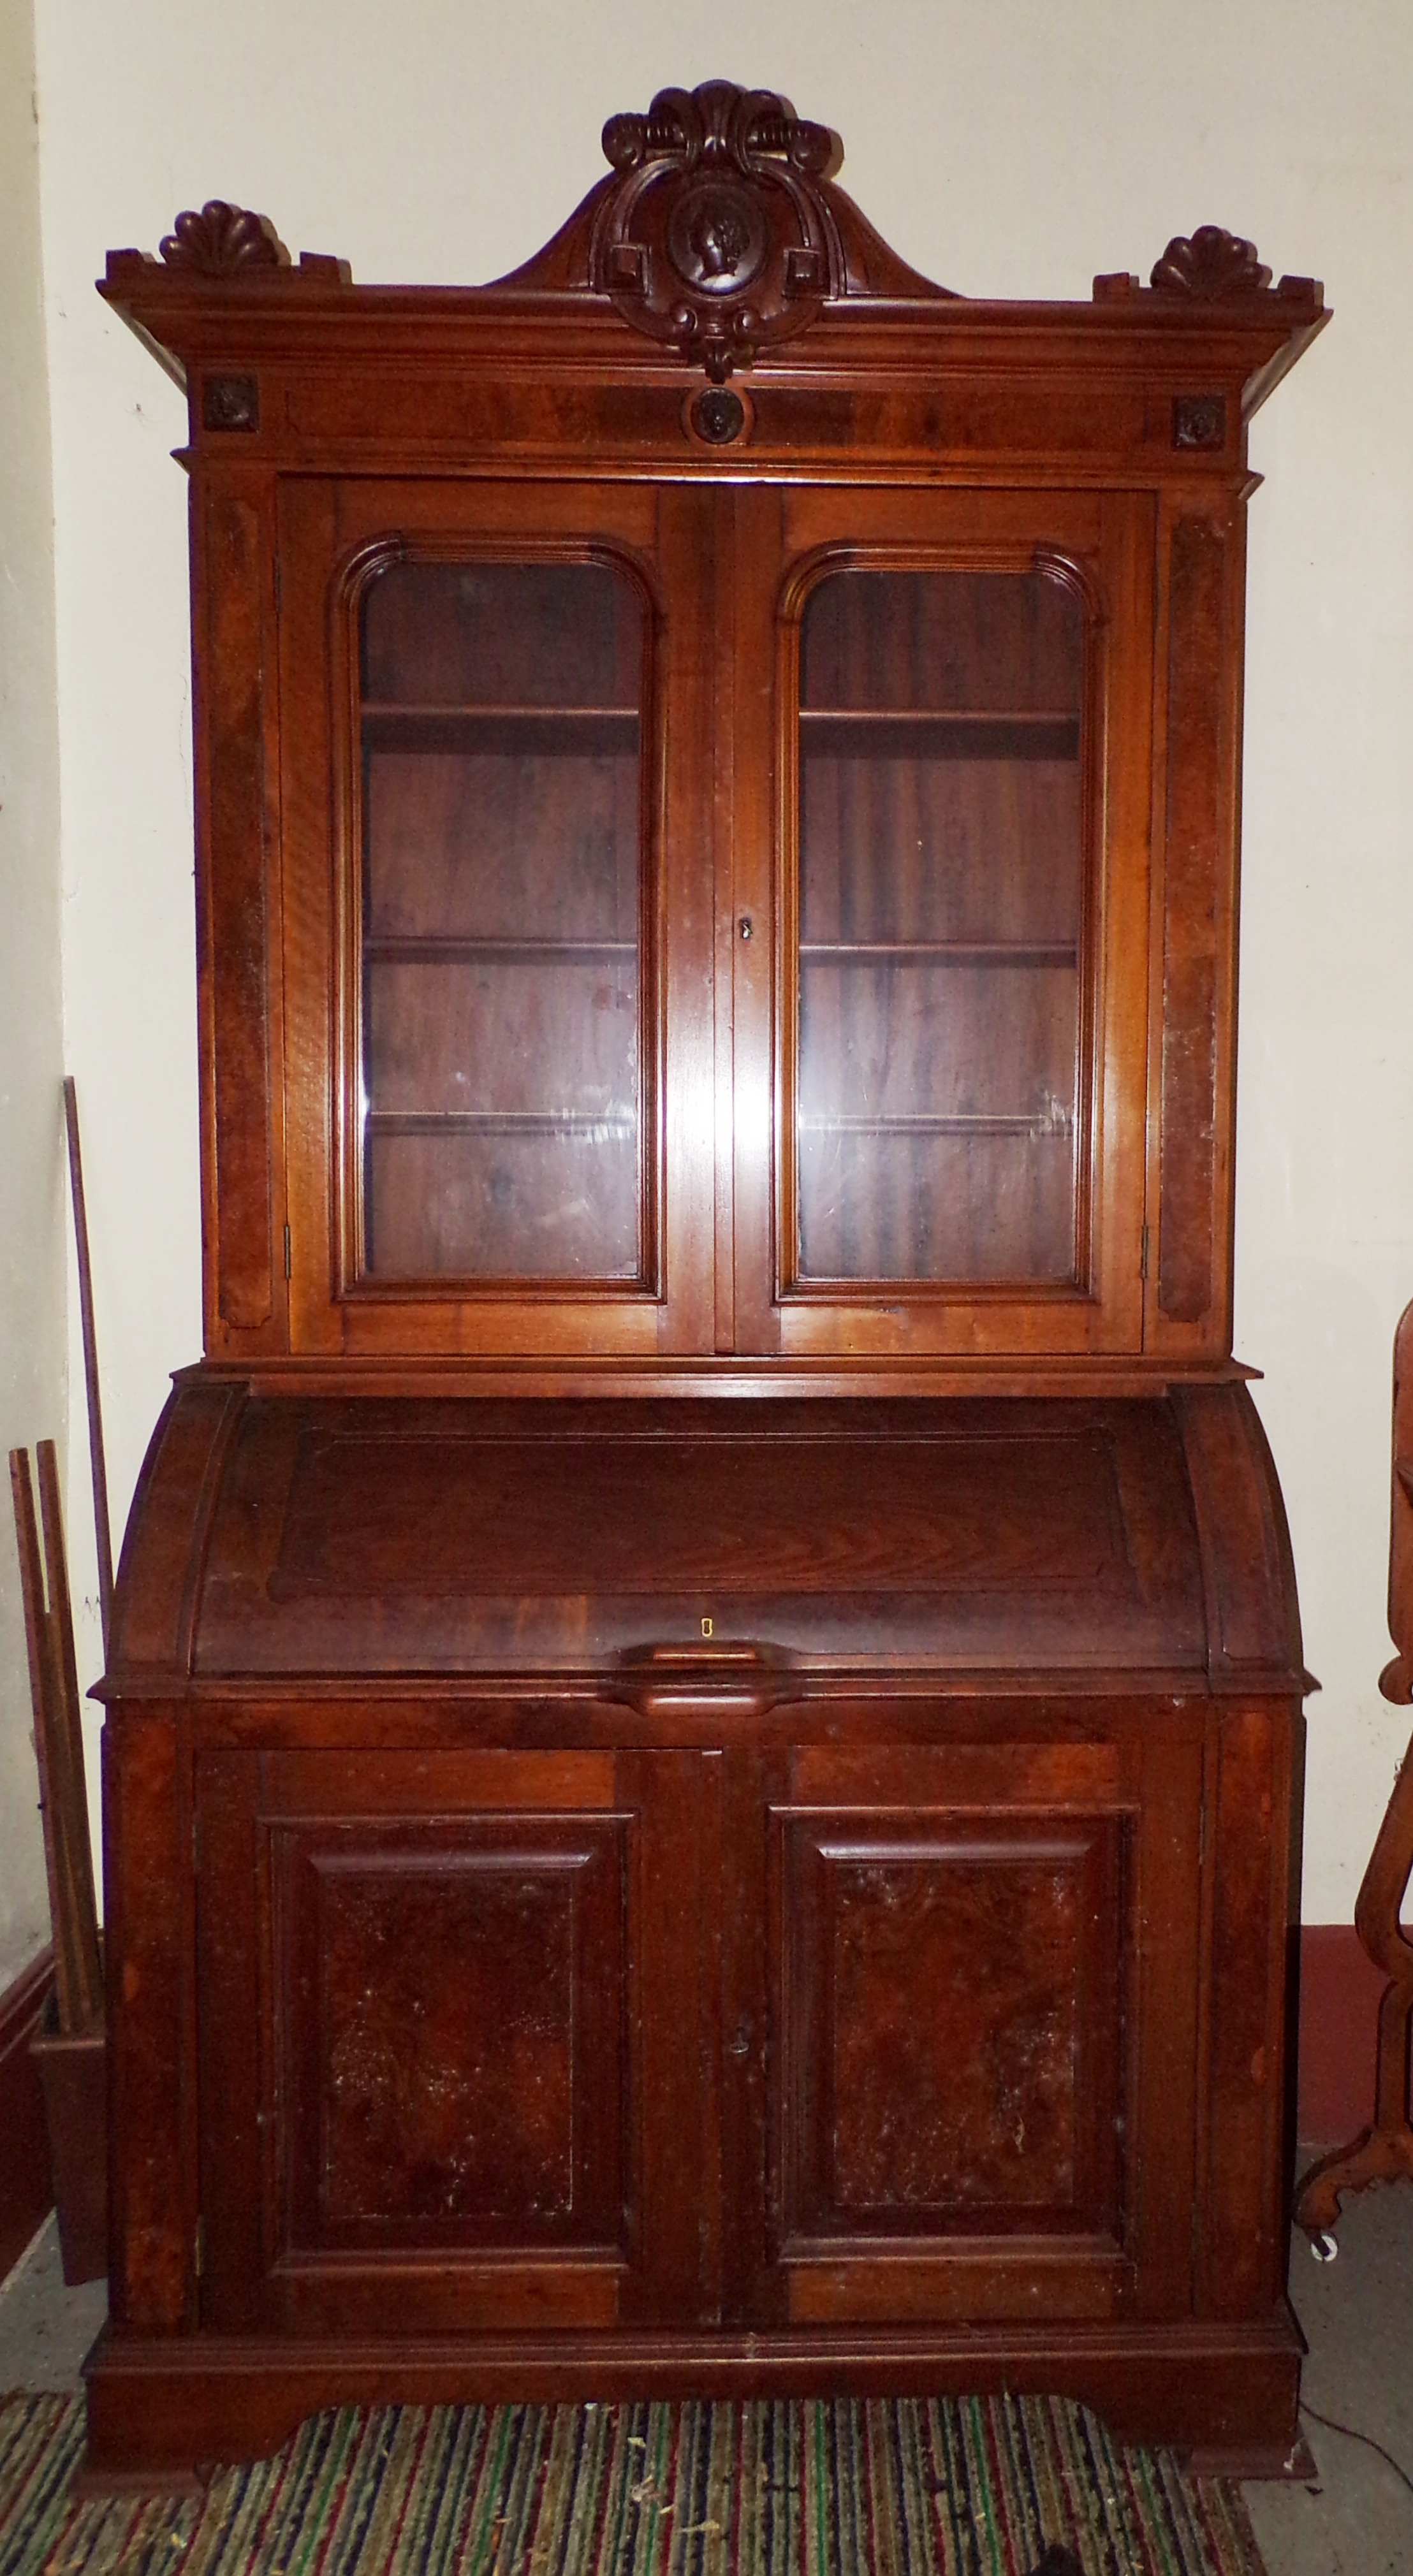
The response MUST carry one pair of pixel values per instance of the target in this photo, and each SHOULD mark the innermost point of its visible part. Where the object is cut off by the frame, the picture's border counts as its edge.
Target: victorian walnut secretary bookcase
(703, 1732)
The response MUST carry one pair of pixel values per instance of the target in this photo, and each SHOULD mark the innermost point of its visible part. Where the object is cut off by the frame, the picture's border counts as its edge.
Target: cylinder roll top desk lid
(703, 1746)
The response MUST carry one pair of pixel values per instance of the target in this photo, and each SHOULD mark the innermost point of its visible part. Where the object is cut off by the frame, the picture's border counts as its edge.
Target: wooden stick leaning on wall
(102, 1525)
(56, 1570)
(58, 1741)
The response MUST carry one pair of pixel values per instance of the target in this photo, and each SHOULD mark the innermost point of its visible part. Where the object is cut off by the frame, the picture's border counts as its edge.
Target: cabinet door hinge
(198, 2249)
(289, 1273)
(1143, 1256)
(279, 587)
(195, 1842)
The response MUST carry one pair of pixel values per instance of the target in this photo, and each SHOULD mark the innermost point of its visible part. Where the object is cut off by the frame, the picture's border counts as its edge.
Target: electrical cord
(1352, 2433)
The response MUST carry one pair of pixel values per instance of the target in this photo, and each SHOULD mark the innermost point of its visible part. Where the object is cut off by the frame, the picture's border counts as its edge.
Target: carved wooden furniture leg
(1385, 2151)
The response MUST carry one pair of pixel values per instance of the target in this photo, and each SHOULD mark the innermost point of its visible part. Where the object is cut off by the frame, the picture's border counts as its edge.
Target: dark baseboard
(1340, 1990)
(26, 2190)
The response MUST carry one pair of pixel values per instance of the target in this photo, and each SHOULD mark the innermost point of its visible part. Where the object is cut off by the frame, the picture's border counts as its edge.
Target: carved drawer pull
(740, 1676)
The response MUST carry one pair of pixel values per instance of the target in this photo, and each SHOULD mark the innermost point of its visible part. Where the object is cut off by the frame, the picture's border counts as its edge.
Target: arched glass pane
(941, 927)
(501, 910)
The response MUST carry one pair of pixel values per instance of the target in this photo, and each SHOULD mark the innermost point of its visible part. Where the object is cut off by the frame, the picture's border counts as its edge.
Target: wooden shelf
(604, 1125)
(517, 732)
(939, 952)
(452, 948)
(938, 733)
(925, 1123)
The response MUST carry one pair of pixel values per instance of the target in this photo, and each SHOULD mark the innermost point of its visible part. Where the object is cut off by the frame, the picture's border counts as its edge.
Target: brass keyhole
(706, 1627)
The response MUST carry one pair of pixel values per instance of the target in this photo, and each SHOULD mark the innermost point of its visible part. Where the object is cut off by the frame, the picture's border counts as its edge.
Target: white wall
(1009, 151)
(32, 1214)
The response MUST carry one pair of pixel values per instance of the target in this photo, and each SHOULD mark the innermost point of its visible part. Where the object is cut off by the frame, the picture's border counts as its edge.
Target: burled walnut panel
(235, 552)
(1194, 930)
(951, 2024)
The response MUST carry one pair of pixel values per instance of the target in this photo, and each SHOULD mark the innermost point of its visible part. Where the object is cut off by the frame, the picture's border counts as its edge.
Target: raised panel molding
(451, 2007)
(952, 2046)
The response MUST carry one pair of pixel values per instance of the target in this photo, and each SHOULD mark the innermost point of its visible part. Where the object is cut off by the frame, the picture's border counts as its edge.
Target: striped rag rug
(891, 2487)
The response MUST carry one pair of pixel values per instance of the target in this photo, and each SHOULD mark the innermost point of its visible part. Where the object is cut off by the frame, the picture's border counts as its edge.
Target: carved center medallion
(716, 237)
(722, 193)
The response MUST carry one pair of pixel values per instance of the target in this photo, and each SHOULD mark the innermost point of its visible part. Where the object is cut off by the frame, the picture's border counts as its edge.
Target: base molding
(26, 2186)
(160, 2410)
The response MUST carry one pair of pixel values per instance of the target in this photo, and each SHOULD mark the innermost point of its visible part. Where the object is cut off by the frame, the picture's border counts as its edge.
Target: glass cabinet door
(502, 886)
(488, 1017)
(960, 912)
(725, 926)
(940, 927)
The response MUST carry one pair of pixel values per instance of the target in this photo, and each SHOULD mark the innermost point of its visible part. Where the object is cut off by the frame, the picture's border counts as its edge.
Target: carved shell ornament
(1210, 263)
(718, 238)
(223, 241)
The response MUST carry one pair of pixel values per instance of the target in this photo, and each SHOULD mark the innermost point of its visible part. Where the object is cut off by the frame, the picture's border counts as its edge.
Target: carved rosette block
(1208, 264)
(223, 241)
(718, 238)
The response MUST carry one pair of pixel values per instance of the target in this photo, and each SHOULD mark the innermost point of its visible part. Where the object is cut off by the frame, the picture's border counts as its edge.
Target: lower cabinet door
(429, 1989)
(981, 2003)
(850, 2035)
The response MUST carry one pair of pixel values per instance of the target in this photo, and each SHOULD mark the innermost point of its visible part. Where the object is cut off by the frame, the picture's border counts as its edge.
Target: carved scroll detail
(718, 238)
(223, 241)
(1210, 263)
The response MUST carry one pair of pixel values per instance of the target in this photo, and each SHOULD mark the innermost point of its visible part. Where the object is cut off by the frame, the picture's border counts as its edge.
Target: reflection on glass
(941, 921)
(502, 834)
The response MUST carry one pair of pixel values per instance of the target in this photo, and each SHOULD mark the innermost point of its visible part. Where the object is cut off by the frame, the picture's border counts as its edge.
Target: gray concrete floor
(45, 2330)
(1357, 2312)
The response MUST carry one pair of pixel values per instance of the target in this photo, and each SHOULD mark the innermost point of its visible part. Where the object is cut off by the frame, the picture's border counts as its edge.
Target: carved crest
(719, 238)
(222, 240)
(1209, 264)
(718, 232)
